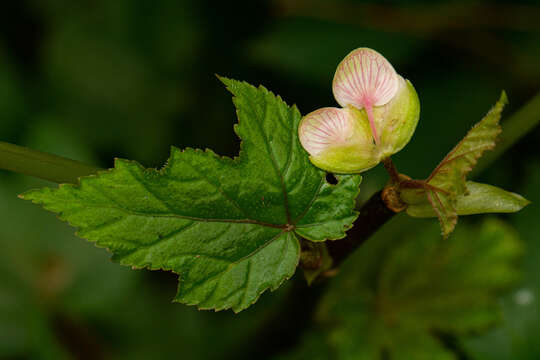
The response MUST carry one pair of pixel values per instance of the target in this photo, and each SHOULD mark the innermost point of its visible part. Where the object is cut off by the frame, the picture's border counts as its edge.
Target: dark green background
(98, 79)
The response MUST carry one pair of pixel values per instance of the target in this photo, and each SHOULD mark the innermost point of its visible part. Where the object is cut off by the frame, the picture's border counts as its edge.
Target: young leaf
(228, 227)
(444, 207)
(415, 288)
(450, 174)
(478, 199)
(447, 182)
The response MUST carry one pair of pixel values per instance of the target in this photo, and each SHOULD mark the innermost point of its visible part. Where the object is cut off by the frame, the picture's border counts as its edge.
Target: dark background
(94, 80)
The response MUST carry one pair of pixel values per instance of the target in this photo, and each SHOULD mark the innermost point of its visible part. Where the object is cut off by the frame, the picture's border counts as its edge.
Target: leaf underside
(228, 227)
(448, 180)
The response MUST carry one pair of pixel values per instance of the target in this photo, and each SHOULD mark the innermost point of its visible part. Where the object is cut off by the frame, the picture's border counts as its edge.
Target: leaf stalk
(42, 165)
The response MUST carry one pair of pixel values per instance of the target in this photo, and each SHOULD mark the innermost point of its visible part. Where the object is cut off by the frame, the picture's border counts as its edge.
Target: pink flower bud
(379, 115)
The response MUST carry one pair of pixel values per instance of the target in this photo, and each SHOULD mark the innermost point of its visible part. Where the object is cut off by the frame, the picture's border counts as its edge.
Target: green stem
(514, 128)
(35, 163)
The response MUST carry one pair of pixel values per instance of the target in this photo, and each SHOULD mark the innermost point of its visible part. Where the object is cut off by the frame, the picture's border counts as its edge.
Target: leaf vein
(274, 161)
(308, 207)
(234, 263)
(148, 190)
(246, 285)
(220, 190)
(184, 217)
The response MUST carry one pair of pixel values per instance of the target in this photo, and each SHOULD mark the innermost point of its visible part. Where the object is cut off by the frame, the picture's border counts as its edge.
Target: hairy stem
(42, 165)
(391, 169)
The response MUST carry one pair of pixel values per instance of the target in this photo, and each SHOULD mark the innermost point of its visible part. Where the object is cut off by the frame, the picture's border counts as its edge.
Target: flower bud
(379, 115)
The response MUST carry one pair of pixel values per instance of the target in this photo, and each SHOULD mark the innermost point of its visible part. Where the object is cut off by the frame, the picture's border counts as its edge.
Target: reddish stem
(392, 171)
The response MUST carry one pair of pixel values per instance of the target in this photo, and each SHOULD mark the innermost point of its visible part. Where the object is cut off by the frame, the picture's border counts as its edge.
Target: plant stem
(391, 169)
(373, 214)
(42, 165)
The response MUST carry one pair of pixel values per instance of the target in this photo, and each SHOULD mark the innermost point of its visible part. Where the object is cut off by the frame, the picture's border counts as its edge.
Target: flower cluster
(378, 117)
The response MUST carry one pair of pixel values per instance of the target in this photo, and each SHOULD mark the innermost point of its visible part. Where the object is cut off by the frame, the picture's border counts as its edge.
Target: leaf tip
(523, 202)
(223, 79)
(503, 98)
(30, 194)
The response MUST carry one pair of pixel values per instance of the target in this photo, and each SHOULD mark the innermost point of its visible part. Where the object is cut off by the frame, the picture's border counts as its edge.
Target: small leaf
(445, 209)
(227, 227)
(478, 199)
(447, 182)
(450, 174)
(399, 292)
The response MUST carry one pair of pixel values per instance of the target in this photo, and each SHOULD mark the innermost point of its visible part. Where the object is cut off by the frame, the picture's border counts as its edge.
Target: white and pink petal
(324, 128)
(338, 140)
(364, 78)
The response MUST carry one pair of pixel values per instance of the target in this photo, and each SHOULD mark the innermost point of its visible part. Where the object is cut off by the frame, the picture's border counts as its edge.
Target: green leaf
(228, 227)
(444, 207)
(478, 199)
(450, 174)
(448, 180)
(414, 288)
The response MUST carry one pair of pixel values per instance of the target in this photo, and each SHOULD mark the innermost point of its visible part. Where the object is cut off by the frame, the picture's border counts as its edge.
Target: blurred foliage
(396, 294)
(95, 79)
(518, 337)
